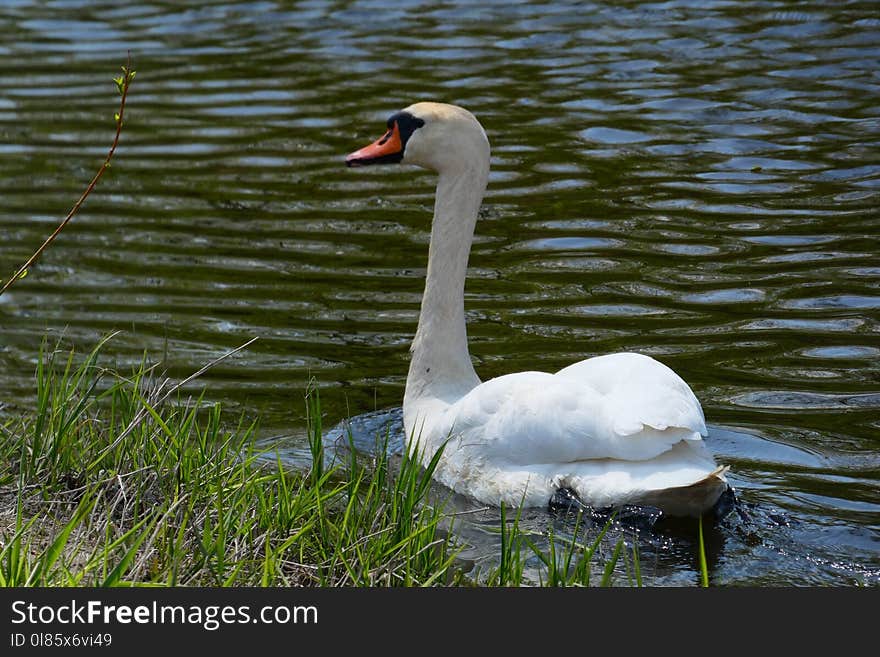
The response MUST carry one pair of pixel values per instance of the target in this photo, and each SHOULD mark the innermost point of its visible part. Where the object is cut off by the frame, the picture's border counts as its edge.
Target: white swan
(616, 429)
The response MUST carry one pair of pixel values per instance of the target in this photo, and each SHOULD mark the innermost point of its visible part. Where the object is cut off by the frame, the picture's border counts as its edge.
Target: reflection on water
(693, 181)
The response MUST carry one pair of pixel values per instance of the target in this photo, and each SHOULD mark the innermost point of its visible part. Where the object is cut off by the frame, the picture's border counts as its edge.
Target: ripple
(847, 352)
(570, 264)
(846, 174)
(766, 163)
(569, 244)
(688, 249)
(615, 310)
(791, 240)
(843, 301)
(812, 256)
(745, 446)
(605, 135)
(795, 400)
(807, 327)
(738, 295)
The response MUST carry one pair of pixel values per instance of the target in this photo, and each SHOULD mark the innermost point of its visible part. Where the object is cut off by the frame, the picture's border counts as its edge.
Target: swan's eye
(406, 123)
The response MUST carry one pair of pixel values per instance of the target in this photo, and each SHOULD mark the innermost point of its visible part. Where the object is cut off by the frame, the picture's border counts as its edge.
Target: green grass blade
(611, 563)
(48, 558)
(115, 576)
(704, 567)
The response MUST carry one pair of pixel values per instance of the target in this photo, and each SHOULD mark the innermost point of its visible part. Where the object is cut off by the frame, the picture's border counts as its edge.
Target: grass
(704, 566)
(565, 562)
(119, 480)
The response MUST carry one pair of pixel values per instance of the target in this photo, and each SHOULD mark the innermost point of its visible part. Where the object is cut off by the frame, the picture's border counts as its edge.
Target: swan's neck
(441, 369)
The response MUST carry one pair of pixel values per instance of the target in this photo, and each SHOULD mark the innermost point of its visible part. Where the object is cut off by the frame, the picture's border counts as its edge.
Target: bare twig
(205, 368)
(122, 83)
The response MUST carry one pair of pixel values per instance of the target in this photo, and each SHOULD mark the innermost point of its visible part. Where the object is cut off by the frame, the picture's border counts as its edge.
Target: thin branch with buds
(122, 84)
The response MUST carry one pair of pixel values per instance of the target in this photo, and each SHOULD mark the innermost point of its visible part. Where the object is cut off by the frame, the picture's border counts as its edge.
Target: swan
(614, 429)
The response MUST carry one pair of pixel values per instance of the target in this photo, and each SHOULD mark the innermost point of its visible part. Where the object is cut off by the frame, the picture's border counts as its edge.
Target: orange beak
(387, 149)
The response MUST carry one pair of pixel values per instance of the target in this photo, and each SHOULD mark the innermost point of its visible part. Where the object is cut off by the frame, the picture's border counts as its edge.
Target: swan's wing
(643, 393)
(623, 406)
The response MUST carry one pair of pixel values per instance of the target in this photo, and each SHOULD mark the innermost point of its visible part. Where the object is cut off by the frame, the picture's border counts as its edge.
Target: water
(696, 181)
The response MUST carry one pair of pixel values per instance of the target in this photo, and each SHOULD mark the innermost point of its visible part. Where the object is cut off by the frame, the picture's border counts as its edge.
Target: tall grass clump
(566, 561)
(111, 480)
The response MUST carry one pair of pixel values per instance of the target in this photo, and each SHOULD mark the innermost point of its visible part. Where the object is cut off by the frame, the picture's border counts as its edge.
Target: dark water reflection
(696, 181)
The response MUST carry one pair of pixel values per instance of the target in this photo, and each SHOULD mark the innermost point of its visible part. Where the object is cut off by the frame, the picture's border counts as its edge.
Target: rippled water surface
(698, 181)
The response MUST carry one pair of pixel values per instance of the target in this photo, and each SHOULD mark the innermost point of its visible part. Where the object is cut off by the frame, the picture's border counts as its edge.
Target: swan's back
(621, 428)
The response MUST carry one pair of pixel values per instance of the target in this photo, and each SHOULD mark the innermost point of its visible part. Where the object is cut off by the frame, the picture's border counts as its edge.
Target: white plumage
(621, 428)
(617, 429)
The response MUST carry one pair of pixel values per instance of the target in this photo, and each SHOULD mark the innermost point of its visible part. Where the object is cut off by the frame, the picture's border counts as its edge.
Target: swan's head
(432, 135)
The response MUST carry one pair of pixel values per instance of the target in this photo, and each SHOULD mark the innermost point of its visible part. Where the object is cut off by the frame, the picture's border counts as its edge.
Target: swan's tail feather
(693, 499)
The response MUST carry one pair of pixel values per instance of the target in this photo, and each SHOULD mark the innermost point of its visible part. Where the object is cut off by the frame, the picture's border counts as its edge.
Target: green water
(698, 181)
